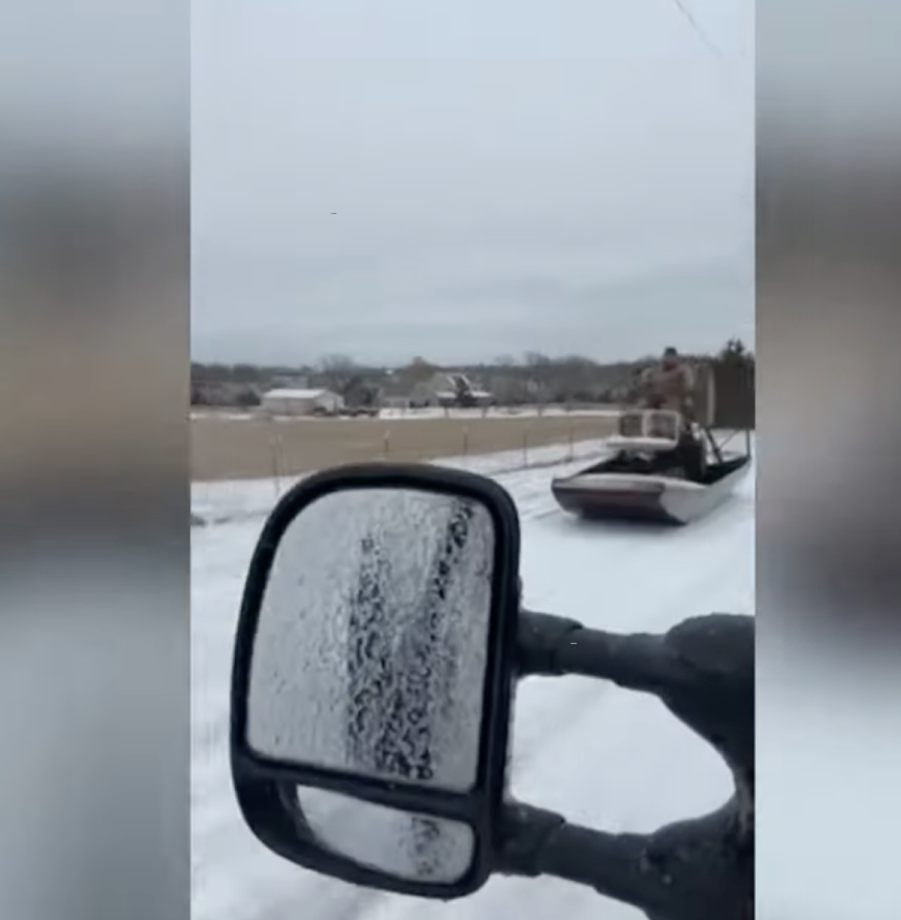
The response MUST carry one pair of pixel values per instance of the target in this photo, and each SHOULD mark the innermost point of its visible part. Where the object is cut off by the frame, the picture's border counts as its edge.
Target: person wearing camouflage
(669, 385)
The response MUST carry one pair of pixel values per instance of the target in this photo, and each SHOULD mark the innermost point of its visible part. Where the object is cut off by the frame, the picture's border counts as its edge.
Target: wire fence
(292, 451)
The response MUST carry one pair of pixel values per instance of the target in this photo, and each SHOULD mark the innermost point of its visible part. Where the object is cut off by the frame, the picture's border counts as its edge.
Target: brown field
(254, 448)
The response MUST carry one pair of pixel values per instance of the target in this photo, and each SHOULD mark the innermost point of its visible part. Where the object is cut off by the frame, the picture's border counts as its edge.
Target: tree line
(532, 378)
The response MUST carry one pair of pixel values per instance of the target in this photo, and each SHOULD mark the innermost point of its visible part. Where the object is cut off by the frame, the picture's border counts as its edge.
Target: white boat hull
(636, 497)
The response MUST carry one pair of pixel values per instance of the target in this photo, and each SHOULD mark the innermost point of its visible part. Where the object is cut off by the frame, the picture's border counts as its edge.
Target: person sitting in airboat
(670, 386)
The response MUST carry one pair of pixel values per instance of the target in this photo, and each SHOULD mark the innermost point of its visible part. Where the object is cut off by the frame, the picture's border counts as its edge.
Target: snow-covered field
(498, 412)
(597, 754)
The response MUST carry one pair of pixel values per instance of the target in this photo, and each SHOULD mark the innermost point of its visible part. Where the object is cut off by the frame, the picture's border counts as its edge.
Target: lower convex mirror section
(401, 844)
(373, 672)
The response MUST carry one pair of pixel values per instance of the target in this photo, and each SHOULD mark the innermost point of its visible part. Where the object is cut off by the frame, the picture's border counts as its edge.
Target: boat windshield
(631, 424)
(663, 425)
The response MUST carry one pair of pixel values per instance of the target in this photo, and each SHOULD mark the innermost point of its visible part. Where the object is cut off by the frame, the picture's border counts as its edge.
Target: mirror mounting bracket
(684, 871)
(702, 670)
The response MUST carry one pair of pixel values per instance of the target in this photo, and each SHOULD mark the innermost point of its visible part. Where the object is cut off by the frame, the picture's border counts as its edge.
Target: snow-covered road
(600, 756)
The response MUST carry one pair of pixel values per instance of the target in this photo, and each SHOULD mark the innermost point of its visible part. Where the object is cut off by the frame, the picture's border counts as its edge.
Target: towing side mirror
(373, 673)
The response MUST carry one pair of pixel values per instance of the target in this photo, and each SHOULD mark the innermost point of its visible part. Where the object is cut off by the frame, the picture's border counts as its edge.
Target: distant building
(508, 387)
(449, 389)
(301, 402)
(395, 393)
(361, 394)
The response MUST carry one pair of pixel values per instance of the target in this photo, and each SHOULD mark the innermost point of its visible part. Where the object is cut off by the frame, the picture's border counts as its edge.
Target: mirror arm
(702, 670)
(692, 870)
(552, 646)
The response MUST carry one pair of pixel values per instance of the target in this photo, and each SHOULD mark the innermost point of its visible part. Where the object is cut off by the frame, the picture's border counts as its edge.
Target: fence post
(525, 446)
(466, 440)
(275, 444)
(386, 444)
(572, 444)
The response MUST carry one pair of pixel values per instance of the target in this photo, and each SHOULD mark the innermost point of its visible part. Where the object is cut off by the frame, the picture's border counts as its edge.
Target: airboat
(645, 477)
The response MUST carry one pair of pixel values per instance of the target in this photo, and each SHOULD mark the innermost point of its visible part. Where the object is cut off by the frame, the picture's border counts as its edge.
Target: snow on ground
(599, 755)
(498, 412)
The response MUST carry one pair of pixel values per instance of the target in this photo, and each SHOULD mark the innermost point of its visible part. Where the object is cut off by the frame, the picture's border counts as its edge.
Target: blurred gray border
(829, 457)
(94, 357)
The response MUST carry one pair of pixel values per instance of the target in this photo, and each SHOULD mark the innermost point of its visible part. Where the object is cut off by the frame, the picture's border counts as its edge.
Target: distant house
(424, 395)
(301, 402)
(449, 389)
(396, 393)
(508, 388)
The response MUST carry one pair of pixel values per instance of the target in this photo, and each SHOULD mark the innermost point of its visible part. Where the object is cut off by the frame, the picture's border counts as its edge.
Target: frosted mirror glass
(371, 647)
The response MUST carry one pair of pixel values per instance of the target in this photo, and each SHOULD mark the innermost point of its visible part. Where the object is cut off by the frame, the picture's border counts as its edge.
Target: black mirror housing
(267, 787)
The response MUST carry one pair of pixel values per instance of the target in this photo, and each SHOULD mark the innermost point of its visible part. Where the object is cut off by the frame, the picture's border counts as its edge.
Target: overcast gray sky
(573, 177)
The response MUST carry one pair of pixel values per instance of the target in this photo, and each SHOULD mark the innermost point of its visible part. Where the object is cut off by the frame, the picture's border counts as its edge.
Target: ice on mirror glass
(371, 647)
(405, 845)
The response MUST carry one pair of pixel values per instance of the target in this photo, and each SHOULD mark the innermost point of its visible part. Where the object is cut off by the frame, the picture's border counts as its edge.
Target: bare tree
(340, 363)
(419, 370)
(336, 371)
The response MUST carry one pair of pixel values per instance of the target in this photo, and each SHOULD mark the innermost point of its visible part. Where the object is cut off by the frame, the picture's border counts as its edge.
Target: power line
(689, 17)
(704, 37)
